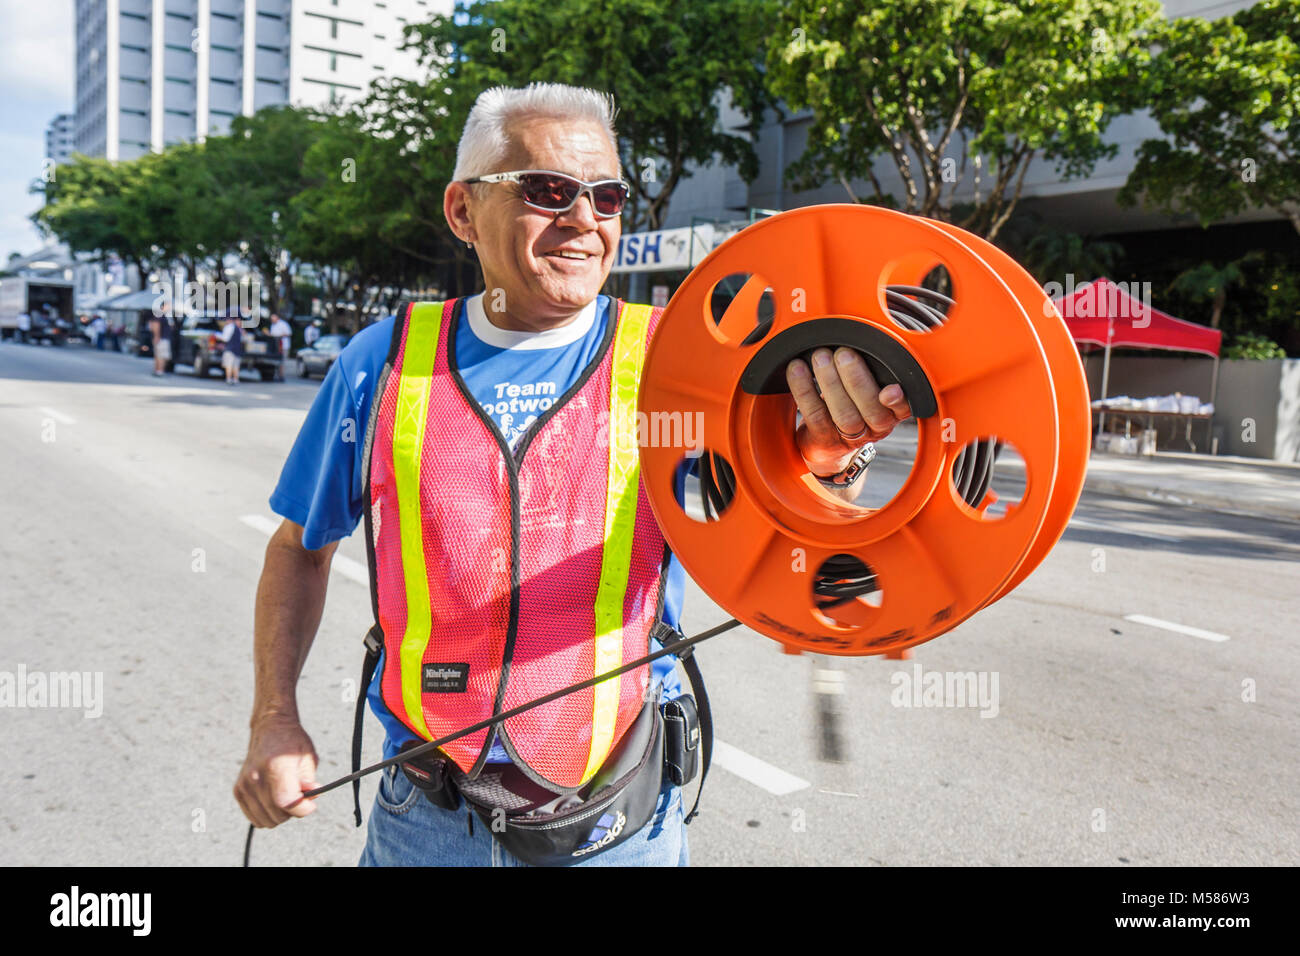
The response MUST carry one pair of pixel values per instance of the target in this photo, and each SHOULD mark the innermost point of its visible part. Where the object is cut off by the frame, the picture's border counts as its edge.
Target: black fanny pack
(667, 741)
(549, 829)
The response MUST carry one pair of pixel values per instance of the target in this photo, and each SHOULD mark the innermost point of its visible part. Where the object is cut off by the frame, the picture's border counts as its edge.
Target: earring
(469, 245)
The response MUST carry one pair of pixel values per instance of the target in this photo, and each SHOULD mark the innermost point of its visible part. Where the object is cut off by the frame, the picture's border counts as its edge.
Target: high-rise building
(155, 72)
(58, 139)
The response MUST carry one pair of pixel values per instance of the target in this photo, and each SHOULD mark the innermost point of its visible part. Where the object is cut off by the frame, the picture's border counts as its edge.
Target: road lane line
(1178, 628)
(352, 570)
(1098, 526)
(758, 772)
(58, 416)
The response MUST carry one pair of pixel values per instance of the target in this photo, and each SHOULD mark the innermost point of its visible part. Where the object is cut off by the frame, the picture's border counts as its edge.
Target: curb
(1201, 502)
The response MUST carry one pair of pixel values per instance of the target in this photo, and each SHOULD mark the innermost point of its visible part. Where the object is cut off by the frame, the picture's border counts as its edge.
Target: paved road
(134, 519)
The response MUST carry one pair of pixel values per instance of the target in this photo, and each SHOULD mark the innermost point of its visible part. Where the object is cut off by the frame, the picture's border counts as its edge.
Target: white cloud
(37, 48)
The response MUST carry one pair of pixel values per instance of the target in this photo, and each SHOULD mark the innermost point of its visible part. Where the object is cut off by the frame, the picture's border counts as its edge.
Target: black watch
(857, 467)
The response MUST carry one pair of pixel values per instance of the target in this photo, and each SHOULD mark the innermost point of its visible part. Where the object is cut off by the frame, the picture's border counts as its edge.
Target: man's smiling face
(549, 265)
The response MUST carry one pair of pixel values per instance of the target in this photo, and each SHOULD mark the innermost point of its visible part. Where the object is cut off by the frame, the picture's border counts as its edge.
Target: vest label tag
(445, 678)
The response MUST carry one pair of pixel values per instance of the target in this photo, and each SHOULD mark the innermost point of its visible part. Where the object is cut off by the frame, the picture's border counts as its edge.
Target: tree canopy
(955, 92)
(668, 64)
(1227, 95)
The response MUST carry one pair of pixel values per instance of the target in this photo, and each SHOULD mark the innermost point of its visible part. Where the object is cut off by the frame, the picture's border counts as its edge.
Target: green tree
(1050, 255)
(1208, 282)
(85, 207)
(1227, 93)
(1249, 345)
(351, 220)
(167, 205)
(955, 92)
(668, 63)
(256, 171)
(414, 129)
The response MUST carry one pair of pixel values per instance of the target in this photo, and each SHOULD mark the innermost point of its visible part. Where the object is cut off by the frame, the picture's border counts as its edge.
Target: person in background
(24, 326)
(233, 352)
(311, 333)
(98, 331)
(282, 331)
(160, 327)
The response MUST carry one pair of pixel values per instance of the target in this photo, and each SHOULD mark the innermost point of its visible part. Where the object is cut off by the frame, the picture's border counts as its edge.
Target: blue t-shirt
(515, 377)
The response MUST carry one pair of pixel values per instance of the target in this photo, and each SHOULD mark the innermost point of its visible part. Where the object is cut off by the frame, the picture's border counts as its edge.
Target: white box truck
(49, 303)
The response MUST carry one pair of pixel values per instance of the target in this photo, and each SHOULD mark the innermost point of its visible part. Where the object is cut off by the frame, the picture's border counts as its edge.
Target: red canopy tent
(1102, 313)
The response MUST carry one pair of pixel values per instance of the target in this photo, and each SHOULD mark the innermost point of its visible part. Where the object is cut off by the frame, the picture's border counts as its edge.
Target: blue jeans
(405, 829)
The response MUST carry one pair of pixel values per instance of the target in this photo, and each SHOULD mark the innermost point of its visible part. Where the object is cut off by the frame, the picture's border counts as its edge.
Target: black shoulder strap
(692, 667)
(374, 643)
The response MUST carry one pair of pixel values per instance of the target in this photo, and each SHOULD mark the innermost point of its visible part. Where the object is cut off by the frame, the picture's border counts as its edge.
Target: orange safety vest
(498, 577)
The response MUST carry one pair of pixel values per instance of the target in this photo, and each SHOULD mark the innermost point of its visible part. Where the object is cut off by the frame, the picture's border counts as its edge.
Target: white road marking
(1179, 628)
(352, 570)
(58, 416)
(828, 682)
(758, 772)
(839, 793)
(1098, 526)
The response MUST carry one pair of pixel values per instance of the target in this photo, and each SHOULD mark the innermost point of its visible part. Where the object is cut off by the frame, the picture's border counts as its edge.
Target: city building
(154, 72)
(58, 139)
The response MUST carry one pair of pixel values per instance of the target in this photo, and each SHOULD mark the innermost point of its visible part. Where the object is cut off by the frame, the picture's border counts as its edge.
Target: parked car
(320, 356)
(200, 347)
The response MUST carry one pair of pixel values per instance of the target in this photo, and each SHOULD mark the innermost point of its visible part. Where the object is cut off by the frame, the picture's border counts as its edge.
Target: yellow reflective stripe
(620, 521)
(408, 450)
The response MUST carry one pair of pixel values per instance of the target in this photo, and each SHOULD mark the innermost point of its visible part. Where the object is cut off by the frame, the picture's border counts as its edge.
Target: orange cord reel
(989, 364)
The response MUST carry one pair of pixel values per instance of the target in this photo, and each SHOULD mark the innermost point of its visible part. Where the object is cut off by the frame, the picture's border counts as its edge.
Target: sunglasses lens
(609, 198)
(548, 191)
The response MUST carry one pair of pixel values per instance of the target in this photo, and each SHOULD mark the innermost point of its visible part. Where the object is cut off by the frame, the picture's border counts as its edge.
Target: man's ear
(456, 201)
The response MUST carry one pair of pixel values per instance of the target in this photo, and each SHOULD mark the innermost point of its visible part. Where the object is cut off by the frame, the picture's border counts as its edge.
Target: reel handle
(890, 362)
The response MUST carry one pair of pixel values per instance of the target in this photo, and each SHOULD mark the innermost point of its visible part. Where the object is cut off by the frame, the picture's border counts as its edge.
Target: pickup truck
(199, 346)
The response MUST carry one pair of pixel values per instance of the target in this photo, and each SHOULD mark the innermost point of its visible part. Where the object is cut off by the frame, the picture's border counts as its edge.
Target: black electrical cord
(673, 647)
(842, 578)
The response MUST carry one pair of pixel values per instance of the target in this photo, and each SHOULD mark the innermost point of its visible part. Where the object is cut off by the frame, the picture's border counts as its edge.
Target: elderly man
(493, 522)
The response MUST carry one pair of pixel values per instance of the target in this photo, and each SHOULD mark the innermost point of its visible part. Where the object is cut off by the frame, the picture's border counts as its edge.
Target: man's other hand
(850, 403)
(280, 766)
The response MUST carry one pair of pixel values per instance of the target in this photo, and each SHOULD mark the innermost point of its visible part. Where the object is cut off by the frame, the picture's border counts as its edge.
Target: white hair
(485, 141)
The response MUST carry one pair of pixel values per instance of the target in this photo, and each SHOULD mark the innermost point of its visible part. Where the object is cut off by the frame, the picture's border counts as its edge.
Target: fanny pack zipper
(568, 821)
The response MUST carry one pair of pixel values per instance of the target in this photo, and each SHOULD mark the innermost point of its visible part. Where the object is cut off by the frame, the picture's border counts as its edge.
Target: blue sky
(37, 50)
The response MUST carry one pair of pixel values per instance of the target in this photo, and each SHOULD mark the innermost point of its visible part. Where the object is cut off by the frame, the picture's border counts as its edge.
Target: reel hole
(743, 308)
(924, 307)
(973, 478)
(846, 591)
(704, 486)
(939, 280)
